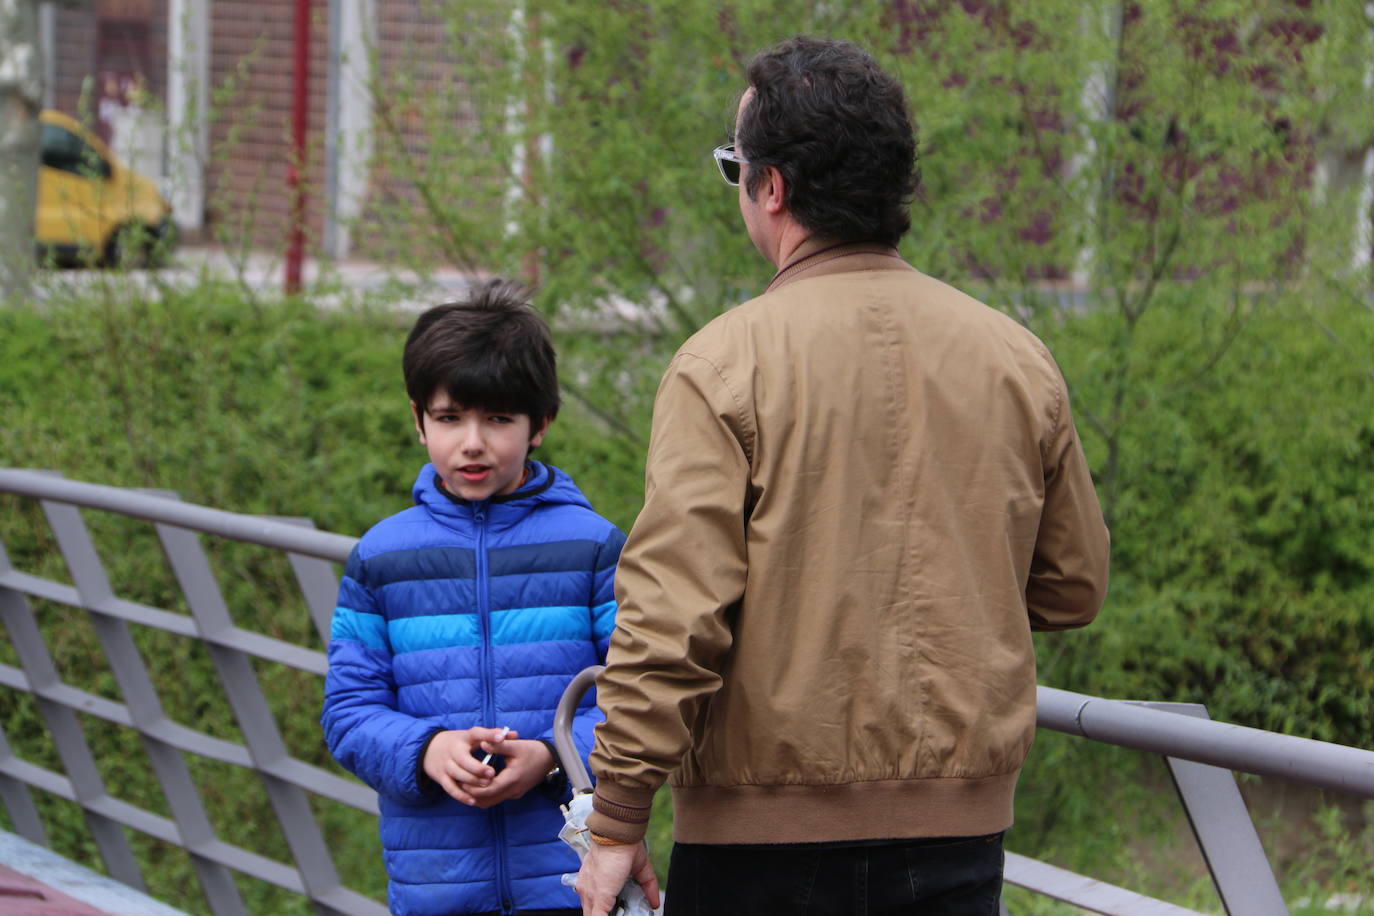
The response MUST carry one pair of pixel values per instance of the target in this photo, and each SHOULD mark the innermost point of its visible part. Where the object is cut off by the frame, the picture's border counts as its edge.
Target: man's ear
(419, 421)
(773, 194)
(538, 435)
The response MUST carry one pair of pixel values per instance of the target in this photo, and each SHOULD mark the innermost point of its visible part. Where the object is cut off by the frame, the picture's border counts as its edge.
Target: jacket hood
(546, 484)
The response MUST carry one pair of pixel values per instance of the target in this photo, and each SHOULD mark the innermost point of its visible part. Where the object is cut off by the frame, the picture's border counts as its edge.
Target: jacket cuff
(555, 784)
(423, 784)
(620, 813)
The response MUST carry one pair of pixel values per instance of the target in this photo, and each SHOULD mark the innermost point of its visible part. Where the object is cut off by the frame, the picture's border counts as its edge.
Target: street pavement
(326, 283)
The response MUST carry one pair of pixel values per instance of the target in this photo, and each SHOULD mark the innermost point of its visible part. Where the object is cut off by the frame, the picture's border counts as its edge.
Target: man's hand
(604, 872)
(527, 763)
(449, 761)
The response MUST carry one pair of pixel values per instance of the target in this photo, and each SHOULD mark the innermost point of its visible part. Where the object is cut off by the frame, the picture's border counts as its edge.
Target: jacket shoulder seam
(740, 414)
(1060, 395)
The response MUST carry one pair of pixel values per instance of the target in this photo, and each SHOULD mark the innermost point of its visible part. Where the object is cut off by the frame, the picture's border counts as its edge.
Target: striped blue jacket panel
(451, 615)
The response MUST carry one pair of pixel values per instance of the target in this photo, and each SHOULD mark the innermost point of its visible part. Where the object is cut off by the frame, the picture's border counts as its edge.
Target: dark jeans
(958, 876)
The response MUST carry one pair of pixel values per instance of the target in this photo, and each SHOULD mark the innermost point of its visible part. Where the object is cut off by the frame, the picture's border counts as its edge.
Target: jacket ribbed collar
(815, 258)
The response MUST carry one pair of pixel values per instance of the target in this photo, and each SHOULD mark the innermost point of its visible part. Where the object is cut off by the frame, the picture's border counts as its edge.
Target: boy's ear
(419, 421)
(538, 435)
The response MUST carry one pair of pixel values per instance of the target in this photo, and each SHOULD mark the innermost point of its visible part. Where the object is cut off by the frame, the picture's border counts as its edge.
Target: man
(863, 491)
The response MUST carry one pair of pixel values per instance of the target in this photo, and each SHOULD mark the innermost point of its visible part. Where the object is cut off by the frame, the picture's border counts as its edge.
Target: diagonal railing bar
(289, 783)
(88, 788)
(318, 581)
(1225, 833)
(116, 713)
(256, 721)
(1201, 754)
(264, 647)
(1083, 892)
(161, 828)
(155, 826)
(18, 800)
(296, 772)
(144, 705)
(1348, 770)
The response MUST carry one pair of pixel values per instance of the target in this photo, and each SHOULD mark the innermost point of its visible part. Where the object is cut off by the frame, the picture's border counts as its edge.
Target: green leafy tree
(1144, 184)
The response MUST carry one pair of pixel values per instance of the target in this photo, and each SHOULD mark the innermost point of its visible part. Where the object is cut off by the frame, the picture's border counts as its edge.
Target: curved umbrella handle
(569, 758)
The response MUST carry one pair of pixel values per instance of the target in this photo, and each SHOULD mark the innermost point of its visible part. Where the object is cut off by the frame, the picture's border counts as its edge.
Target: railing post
(145, 706)
(1224, 830)
(254, 716)
(88, 788)
(18, 800)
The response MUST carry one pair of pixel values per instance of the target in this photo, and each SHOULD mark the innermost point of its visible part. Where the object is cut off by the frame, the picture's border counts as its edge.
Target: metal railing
(1200, 753)
(288, 782)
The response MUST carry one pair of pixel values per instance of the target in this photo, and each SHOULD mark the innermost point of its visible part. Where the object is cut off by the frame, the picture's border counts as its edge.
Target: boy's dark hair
(827, 117)
(490, 351)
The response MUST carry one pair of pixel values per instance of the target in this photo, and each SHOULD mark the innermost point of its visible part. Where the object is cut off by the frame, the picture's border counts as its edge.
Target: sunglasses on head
(728, 161)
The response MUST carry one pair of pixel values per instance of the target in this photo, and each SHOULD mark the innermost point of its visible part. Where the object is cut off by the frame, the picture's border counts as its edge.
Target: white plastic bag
(632, 901)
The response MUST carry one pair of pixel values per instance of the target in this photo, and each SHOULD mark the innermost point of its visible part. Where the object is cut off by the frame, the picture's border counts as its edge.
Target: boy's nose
(472, 442)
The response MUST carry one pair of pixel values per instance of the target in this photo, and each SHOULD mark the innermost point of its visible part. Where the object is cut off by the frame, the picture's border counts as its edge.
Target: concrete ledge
(34, 879)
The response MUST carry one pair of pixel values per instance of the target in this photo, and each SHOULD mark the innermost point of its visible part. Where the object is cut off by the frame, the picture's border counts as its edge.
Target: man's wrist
(600, 840)
(620, 814)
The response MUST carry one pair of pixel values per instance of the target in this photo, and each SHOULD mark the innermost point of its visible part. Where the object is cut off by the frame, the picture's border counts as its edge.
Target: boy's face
(478, 453)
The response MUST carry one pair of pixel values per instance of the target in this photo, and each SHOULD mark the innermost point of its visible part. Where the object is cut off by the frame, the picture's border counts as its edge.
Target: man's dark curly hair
(836, 127)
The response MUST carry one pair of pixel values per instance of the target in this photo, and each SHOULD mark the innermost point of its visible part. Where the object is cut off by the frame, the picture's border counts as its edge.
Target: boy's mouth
(474, 473)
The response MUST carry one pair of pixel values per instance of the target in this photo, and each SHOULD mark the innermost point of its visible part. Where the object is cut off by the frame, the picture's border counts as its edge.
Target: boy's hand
(449, 761)
(527, 763)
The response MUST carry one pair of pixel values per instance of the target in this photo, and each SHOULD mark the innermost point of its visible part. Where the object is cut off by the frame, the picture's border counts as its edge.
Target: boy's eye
(500, 418)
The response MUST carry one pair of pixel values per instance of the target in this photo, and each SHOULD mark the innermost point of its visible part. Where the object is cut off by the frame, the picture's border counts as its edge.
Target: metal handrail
(1193, 745)
(156, 508)
(1344, 769)
(289, 783)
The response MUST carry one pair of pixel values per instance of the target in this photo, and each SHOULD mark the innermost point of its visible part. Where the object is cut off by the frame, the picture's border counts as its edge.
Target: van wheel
(159, 243)
(127, 247)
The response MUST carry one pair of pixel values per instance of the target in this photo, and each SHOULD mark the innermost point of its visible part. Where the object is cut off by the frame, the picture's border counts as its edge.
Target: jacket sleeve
(602, 608)
(1068, 575)
(362, 726)
(603, 604)
(682, 571)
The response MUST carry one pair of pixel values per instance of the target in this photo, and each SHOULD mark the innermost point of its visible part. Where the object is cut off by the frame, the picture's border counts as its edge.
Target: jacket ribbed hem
(889, 809)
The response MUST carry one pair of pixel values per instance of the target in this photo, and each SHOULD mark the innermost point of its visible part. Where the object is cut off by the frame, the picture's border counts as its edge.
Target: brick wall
(411, 43)
(252, 62)
(251, 65)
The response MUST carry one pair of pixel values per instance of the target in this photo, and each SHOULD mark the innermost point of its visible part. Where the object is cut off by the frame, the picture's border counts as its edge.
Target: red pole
(300, 108)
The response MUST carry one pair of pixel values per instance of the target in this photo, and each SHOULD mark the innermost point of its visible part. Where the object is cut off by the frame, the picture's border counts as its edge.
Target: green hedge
(1244, 515)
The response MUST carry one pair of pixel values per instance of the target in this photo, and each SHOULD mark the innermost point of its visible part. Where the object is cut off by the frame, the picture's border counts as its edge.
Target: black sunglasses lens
(730, 169)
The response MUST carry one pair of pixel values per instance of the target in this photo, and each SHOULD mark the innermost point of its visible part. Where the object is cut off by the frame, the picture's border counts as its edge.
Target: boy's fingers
(495, 735)
(453, 789)
(469, 769)
(496, 786)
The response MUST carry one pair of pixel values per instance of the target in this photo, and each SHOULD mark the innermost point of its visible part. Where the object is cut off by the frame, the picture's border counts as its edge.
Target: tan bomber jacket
(863, 491)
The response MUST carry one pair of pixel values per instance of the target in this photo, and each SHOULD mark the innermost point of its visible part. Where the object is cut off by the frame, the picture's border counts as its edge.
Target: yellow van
(91, 207)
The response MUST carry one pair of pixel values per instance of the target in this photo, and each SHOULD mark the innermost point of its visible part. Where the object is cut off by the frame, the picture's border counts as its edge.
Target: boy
(467, 615)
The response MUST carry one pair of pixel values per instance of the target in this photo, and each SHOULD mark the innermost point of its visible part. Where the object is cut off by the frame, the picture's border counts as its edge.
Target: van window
(67, 152)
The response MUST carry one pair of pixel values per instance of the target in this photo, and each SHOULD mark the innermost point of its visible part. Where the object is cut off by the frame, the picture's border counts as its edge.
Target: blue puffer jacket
(451, 615)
